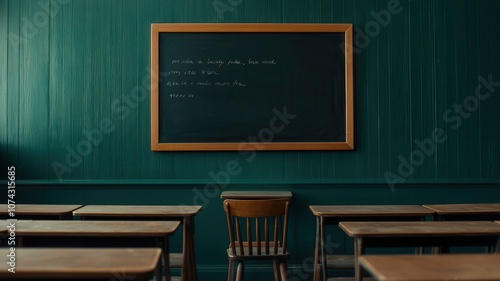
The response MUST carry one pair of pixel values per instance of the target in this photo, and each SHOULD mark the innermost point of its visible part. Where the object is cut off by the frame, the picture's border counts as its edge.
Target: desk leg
(496, 249)
(317, 253)
(166, 256)
(323, 255)
(188, 271)
(157, 274)
(440, 249)
(420, 250)
(358, 251)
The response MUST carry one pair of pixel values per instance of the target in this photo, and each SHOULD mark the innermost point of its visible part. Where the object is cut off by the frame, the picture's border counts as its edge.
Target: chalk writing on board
(188, 74)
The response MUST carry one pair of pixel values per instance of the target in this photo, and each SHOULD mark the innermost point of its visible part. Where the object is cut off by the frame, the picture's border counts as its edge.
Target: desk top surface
(432, 267)
(94, 228)
(39, 209)
(137, 211)
(420, 228)
(82, 263)
(369, 210)
(464, 209)
(255, 194)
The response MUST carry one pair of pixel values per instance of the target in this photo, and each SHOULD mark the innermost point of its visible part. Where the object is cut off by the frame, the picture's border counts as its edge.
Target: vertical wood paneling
(423, 103)
(494, 99)
(79, 56)
(34, 74)
(13, 84)
(387, 104)
(485, 121)
(145, 14)
(4, 110)
(109, 59)
(58, 97)
(201, 11)
(432, 77)
(367, 142)
(304, 166)
(91, 58)
(151, 165)
(395, 57)
(443, 71)
(464, 138)
(245, 11)
(190, 165)
(457, 37)
(344, 161)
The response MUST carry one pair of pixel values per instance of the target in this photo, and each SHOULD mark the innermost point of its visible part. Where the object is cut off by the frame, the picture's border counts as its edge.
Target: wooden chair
(269, 243)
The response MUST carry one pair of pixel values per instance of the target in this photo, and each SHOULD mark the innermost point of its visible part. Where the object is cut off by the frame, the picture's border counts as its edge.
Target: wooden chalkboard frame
(157, 29)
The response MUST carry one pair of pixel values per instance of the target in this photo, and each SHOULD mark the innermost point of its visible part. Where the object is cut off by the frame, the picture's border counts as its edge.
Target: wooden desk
(39, 211)
(333, 214)
(3, 234)
(185, 214)
(468, 267)
(423, 234)
(255, 194)
(160, 231)
(70, 263)
(484, 211)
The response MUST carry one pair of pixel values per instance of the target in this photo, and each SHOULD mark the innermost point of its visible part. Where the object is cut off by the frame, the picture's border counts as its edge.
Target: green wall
(75, 111)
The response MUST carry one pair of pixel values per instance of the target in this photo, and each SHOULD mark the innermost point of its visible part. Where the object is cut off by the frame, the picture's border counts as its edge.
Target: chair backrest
(262, 214)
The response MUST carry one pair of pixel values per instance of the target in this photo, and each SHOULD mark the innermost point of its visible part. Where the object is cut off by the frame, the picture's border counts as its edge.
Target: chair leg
(276, 270)
(239, 271)
(284, 270)
(230, 271)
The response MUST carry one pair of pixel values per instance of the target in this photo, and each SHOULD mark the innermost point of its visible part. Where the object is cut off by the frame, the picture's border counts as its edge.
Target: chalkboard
(252, 87)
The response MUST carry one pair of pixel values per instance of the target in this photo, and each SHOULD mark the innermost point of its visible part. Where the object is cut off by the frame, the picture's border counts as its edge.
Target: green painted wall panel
(16, 39)
(34, 89)
(4, 112)
(211, 256)
(58, 109)
(494, 149)
(411, 70)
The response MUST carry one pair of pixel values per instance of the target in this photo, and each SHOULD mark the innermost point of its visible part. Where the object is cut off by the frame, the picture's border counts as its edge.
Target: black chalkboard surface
(251, 86)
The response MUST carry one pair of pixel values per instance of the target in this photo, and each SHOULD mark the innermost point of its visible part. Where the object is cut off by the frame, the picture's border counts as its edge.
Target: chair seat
(176, 260)
(254, 255)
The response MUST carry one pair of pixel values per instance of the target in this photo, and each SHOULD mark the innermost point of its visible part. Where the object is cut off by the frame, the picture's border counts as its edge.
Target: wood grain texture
(465, 209)
(82, 263)
(4, 112)
(40, 209)
(158, 28)
(137, 211)
(75, 228)
(370, 211)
